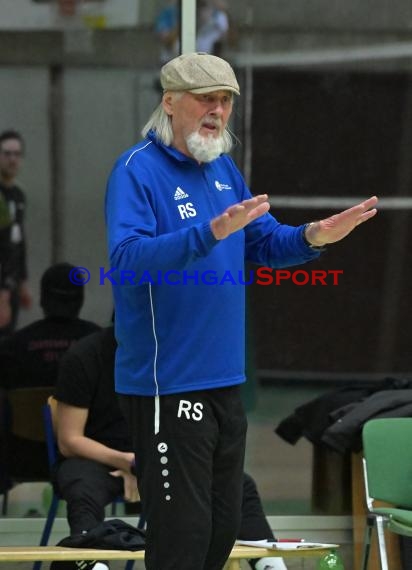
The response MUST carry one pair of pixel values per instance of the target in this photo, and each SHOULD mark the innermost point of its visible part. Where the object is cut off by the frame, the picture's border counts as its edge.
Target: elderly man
(177, 209)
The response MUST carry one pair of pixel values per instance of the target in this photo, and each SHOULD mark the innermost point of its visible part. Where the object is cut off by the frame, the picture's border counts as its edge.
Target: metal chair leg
(370, 522)
(381, 542)
(51, 515)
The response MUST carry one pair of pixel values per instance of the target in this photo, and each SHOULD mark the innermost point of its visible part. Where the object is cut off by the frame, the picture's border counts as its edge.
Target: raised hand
(239, 215)
(338, 226)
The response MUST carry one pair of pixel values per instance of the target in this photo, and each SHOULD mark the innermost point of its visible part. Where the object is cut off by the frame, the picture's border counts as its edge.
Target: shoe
(85, 564)
(91, 565)
(270, 564)
(78, 565)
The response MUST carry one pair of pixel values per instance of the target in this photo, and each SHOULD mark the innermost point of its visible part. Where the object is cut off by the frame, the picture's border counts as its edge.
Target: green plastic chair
(387, 464)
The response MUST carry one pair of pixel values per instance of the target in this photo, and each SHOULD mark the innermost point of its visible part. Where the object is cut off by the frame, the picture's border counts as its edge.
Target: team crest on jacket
(221, 186)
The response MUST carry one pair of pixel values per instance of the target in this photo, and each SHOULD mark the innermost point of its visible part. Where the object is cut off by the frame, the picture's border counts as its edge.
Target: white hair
(161, 123)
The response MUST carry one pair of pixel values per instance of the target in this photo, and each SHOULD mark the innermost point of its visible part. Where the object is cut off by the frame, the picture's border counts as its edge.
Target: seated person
(93, 439)
(30, 356)
(96, 459)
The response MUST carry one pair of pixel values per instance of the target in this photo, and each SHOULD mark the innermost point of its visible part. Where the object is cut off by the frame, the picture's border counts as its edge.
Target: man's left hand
(338, 226)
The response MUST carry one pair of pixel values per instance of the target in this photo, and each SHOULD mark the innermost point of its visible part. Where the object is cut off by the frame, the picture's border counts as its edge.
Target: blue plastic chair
(55, 501)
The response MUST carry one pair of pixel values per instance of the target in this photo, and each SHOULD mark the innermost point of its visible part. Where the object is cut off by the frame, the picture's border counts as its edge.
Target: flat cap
(198, 73)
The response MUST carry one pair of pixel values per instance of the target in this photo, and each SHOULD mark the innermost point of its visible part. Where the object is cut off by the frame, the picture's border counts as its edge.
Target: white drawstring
(157, 415)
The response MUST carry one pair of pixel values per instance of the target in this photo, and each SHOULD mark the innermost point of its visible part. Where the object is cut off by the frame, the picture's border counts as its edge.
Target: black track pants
(190, 475)
(88, 487)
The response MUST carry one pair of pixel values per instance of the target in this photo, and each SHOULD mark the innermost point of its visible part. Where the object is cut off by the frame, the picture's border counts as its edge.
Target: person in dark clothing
(95, 464)
(30, 357)
(14, 290)
(96, 459)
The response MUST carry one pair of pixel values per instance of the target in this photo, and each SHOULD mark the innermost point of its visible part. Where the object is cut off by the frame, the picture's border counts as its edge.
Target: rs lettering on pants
(190, 411)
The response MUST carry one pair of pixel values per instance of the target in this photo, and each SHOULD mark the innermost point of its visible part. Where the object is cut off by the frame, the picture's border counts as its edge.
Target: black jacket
(112, 534)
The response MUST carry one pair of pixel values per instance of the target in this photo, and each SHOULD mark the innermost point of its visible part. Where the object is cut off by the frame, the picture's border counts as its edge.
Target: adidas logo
(180, 194)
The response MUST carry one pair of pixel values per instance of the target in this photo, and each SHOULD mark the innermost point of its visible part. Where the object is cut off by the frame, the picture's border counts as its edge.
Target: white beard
(205, 149)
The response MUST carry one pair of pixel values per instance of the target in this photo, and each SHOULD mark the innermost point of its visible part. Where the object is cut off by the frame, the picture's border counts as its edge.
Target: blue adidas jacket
(179, 304)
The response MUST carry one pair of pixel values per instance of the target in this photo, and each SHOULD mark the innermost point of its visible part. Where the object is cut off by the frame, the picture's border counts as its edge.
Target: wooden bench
(49, 553)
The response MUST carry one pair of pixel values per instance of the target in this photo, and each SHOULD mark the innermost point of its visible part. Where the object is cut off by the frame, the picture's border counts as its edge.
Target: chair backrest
(387, 449)
(26, 448)
(26, 404)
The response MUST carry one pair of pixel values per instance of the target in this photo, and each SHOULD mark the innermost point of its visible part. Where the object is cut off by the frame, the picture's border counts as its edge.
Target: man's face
(11, 152)
(205, 114)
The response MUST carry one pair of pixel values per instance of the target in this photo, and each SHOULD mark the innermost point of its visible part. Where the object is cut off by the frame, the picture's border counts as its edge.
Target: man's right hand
(239, 215)
(5, 308)
(131, 492)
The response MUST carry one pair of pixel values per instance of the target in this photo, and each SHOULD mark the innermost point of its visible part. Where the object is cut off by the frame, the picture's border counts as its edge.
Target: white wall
(99, 119)
(24, 106)
(30, 15)
(104, 110)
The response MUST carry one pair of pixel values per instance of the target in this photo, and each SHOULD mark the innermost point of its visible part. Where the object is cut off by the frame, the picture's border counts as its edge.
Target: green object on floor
(330, 561)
